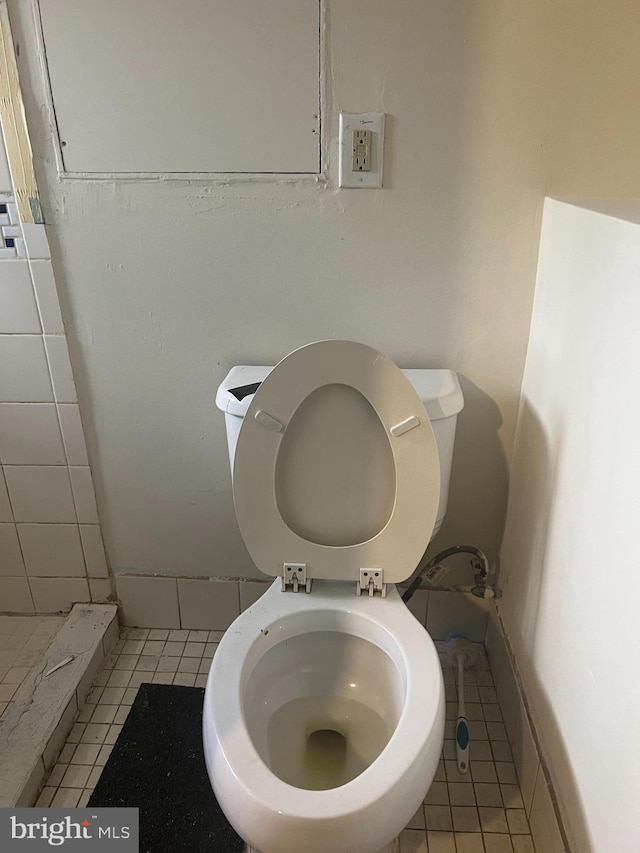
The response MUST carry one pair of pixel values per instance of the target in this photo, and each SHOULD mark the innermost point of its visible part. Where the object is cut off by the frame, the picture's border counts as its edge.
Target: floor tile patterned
(22, 642)
(480, 812)
(140, 655)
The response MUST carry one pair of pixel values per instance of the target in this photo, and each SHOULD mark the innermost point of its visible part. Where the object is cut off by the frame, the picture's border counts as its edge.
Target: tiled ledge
(35, 729)
(537, 792)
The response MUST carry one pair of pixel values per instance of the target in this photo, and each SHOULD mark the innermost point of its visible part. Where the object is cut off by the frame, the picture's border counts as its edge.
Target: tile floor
(22, 640)
(481, 812)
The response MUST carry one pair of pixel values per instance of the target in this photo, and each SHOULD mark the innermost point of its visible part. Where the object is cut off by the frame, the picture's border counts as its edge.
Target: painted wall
(167, 284)
(572, 588)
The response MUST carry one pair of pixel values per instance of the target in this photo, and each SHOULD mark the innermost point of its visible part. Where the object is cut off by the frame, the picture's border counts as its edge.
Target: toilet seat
(281, 416)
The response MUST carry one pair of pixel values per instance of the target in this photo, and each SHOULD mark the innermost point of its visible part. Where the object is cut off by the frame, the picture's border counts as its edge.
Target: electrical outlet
(361, 151)
(361, 161)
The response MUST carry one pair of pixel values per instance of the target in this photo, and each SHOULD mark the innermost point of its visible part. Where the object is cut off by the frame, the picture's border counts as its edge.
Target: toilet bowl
(323, 722)
(323, 717)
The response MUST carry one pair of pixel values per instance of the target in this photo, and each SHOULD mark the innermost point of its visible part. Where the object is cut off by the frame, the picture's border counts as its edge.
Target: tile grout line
(140, 656)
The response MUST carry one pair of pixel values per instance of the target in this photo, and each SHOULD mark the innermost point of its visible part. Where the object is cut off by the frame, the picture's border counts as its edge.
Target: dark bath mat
(157, 764)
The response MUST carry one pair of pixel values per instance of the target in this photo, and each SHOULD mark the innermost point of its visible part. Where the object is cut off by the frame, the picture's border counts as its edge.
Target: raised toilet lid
(336, 466)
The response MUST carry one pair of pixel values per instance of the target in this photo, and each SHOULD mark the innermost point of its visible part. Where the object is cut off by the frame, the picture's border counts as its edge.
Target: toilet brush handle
(462, 730)
(462, 745)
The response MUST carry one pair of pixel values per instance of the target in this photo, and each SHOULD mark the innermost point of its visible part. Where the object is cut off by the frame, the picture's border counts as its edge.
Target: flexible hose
(482, 567)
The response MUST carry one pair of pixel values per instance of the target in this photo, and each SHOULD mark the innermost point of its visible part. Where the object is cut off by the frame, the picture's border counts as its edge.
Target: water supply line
(429, 575)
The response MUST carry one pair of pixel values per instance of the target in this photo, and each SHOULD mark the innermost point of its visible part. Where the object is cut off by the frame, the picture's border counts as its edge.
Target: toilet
(323, 716)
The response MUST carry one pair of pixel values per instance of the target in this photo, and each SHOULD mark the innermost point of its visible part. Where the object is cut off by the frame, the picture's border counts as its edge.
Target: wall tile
(83, 495)
(40, 493)
(208, 603)
(6, 513)
(72, 433)
(148, 602)
(503, 675)
(10, 229)
(30, 434)
(508, 696)
(64, 387)
(32, 786)
(47, 297)
(35, 238)
(12, 210)
(418, 605)
(52, 550)
(544, 826)
(13, 232)
(494, 642)
(93, 548)
(59, 736)
(523, 745)
(15, 596)
(11, 563)
(24, 374)
(5, 177)
(250, 592)
(111, 636)
(100, 589)
(10, 214)
(525, 757)
(38, 440)
(53, 594)
(459, 613)
(18, 312)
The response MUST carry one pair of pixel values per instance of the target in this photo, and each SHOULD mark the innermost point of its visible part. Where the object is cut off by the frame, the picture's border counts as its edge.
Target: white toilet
(324, 715)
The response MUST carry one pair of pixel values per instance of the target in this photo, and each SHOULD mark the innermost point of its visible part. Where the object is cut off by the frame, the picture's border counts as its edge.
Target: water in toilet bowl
(321, 707)
(329, 741)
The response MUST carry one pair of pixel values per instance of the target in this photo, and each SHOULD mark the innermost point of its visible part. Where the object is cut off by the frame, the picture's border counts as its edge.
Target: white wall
(165, 285)
(571, 580)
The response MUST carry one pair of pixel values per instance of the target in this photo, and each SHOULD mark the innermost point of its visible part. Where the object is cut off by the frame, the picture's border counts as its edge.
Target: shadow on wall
(529, 523)
(525, 547)
(479, 482)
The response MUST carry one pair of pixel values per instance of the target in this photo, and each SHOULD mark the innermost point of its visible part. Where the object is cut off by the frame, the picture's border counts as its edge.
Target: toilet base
(394, 847)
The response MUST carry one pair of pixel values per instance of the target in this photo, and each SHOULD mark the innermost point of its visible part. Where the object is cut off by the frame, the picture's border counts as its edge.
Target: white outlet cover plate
(355, 121)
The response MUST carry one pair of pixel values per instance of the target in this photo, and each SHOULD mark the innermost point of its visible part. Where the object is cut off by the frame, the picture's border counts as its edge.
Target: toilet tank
(439, 391)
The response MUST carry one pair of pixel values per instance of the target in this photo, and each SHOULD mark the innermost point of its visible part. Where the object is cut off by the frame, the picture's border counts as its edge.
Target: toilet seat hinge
(372, 580)
(295, 575)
